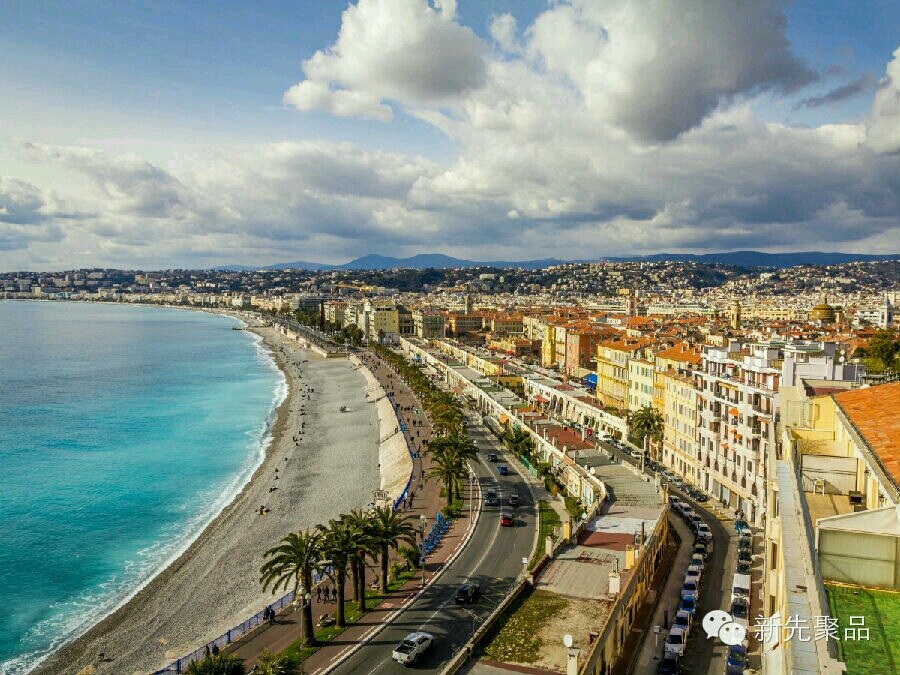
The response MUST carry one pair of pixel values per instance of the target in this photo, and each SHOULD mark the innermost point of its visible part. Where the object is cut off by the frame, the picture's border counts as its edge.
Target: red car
(506, 520)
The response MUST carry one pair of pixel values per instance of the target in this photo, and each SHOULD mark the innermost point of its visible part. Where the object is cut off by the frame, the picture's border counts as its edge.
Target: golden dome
(822, 312)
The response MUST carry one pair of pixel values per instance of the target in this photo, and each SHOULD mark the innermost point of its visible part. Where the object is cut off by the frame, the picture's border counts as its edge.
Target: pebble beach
(320, 462)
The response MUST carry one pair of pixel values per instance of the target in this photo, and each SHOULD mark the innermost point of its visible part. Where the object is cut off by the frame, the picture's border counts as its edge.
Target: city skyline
(183, 137)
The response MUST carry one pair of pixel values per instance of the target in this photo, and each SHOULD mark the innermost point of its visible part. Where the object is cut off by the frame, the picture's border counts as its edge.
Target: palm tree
(359, 522)
(338, 546)
(448, 467)
(388, 528)
(519, 441)
(270, 664)
(217, 664)
(294, 560)
(647, 422)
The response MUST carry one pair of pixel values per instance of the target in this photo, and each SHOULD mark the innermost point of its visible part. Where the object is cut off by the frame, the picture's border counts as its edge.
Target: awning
(542, 399)
(590, 379)
(733, 411)
(504, 419)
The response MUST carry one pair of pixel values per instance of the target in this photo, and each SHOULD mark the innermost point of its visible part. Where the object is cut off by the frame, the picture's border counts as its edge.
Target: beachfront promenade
(426, 501)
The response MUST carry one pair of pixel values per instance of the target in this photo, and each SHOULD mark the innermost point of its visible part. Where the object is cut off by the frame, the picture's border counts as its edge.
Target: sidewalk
(426, 501)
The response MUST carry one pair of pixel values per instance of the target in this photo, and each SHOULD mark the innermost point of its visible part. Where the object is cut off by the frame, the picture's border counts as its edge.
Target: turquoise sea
(123, 431)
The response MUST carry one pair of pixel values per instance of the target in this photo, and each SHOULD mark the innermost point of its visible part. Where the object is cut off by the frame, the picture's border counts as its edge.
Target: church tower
(736, 314)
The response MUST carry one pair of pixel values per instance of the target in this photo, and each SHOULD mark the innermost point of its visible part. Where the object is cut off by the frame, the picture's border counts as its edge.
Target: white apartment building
(737, 398)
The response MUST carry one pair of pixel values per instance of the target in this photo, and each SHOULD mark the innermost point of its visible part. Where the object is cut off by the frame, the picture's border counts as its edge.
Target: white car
(674, 646)
(412, 647)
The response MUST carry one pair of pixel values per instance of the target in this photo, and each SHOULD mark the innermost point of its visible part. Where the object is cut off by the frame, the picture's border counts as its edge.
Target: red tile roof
(874, 412)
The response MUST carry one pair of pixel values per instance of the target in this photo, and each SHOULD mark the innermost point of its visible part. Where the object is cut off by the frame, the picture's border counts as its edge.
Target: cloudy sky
(185, 134)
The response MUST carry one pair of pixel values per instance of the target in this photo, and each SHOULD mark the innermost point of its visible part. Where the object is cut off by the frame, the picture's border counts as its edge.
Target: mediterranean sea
(123, 431)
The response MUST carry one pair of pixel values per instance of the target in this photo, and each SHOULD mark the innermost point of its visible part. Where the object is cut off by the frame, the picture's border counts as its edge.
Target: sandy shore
(214, 584)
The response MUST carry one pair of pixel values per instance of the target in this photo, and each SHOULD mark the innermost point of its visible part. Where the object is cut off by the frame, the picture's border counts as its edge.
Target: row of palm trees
(344, 545)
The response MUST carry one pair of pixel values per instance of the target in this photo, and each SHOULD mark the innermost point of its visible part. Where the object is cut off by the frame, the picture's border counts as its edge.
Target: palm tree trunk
(306, 620)
(361, 580)
(449, 491)
(341, 582)
(354, 580)
(384, 569)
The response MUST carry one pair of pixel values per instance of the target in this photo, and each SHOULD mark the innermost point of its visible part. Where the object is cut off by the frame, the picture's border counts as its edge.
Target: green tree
(881, 352)
(217, 664)
(519, 441)
(294, 561)
(361, 525)
(647, 422)
(448, 467)
(338, 546)
(388, 529)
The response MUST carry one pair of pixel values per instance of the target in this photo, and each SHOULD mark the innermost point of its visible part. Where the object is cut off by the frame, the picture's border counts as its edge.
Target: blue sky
(191, 134)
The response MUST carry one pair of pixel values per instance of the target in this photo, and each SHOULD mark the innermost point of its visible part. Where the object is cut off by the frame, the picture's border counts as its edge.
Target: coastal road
(492, 559)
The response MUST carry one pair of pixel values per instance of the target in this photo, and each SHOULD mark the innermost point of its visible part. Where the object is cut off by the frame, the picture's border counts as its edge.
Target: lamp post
(471, 492)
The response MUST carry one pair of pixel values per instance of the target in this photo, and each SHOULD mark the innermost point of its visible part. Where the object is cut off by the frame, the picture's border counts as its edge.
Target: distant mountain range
(439, 261)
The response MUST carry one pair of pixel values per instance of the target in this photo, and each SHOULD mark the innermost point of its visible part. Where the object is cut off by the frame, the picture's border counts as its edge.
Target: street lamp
(471, 492)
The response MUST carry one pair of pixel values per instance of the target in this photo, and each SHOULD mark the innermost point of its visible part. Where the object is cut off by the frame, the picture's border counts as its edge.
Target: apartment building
(428, 325)
(640, 383)
(737, 397)
(612, 369)
(679, 446)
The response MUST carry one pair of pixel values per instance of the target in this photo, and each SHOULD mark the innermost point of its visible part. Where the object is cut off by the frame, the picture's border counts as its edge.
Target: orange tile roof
(873, 411)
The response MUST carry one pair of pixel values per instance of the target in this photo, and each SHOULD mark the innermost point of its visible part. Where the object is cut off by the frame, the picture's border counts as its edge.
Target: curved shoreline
(165, 619)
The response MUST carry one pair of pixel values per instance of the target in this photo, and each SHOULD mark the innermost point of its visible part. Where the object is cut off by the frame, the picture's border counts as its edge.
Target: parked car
(490, 498)
(698, 560)
(674, 646)
(674, 502)
(690, 589)
(740, 610)
(743, 568)
(694, 521)
(506, 520)
(412, 647)
(668, 475)
(677, 482)
(502, 469)
(693, 573)
(745, 557)
(688, 605)
(513, 500)
(668, 666)
(682, 620)
(737, 660)
(701, 549)
(467, 594)
(700, 496)
(492, 456)
(745, 542)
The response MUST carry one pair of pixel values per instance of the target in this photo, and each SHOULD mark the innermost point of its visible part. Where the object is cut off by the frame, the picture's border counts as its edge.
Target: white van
(740, 587)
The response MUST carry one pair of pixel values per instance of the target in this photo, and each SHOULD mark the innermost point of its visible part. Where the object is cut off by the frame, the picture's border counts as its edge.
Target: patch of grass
(516, 636)
(549, 519)
(881, 611)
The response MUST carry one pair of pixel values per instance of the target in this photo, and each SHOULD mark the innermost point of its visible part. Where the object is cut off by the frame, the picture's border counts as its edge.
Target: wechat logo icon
(718, 623)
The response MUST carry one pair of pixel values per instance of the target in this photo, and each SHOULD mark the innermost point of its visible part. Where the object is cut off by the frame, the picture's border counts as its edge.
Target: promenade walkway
(426, 501)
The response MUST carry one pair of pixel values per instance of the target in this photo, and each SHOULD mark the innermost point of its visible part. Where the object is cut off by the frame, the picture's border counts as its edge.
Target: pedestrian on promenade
(318, 594)
(334, 594)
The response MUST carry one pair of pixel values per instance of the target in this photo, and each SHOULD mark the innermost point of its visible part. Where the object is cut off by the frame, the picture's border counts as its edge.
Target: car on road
(682, 620)
(703, 532)
(492, 456)
(502, 470)
(668, 475)
(694, 521)
(745, 557)
(743, 568)
(412, 647)
(697, 560)
(690, 589)
(699, 496)
(467, 594)
(506, 520)
(701, 549)
(693, 573)
(668, 666)
(740, 610)
(674, 646)
(688, 605)
(513, 500)
(490, 498)
(736, 662)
